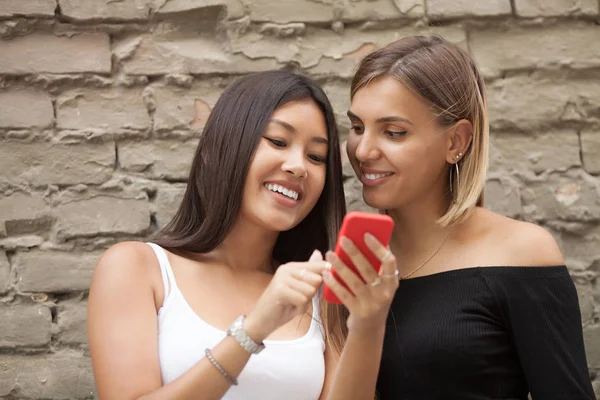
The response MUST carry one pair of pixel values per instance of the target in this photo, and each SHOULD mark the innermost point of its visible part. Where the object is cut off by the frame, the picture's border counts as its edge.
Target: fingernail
(314, 256)
(345, 242)
(326, 275)
(369, 237)
(331, 256)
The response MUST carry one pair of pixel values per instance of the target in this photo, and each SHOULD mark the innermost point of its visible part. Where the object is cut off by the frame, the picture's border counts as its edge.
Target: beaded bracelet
(229, 378)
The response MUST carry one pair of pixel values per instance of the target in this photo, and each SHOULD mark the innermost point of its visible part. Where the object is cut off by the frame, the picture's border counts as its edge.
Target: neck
(248, 247)
(416, 231)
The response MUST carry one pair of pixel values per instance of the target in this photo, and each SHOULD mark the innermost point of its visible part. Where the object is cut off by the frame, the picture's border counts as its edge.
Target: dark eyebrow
(351, 115)
(291, 129)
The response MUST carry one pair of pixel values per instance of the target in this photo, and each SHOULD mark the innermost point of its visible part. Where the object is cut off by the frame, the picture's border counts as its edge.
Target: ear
(459, 140)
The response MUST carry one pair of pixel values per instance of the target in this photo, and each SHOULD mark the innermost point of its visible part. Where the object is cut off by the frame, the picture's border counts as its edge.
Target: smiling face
(396, 146)
(287, 174)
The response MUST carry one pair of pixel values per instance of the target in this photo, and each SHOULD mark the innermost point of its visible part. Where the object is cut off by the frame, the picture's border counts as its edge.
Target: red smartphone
(354, 227)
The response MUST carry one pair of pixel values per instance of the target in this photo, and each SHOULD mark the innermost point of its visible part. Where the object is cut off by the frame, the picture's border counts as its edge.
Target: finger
(312, 278)
(388, 260)
(295, 298)
(340, 291)
(356, 285)
(316, 256)
(364, 267)
(305, 288)
(312, 266)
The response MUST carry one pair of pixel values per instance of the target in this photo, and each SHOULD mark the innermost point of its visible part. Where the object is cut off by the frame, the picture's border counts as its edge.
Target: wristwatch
(236, 330)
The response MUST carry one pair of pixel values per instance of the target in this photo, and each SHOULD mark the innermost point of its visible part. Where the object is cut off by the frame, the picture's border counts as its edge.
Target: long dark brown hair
(213, 196)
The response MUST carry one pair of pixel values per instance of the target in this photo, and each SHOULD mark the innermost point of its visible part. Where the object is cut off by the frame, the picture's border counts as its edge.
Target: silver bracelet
(231, 380)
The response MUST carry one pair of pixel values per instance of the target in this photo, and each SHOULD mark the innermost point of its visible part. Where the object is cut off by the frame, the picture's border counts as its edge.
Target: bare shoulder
(521, 243)
(126, 265)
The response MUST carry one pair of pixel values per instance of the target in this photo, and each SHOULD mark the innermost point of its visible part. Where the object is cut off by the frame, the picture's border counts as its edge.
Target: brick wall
(102, 102)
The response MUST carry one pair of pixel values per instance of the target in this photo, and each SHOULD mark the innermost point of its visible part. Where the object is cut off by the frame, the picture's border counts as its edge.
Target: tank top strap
(165, 269)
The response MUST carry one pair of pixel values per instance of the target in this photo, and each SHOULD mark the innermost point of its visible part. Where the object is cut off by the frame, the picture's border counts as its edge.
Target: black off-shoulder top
(485, 333)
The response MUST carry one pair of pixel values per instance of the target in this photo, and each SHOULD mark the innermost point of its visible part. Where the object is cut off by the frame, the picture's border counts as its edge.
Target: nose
(367, 148)
(295, 164)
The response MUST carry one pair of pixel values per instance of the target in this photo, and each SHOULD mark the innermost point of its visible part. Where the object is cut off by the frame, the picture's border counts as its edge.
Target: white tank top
(285, 369)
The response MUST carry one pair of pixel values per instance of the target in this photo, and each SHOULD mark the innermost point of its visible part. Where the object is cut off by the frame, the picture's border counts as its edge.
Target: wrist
(368, 329)
(254, 329)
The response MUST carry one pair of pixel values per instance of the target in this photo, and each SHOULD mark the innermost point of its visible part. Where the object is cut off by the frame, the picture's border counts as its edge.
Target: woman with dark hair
(228, 277)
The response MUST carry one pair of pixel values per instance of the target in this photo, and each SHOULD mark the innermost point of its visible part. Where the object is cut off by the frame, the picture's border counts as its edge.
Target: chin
(380, 201)
(280, 224)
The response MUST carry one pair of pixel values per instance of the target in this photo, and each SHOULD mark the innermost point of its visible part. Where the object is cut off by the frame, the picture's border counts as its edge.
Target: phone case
(354, 227)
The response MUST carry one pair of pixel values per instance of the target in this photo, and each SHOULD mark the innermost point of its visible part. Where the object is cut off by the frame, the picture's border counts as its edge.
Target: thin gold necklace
(430, 257)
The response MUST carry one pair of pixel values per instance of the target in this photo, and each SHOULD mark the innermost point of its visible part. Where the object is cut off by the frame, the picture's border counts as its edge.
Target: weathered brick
(4, 273)
(44, 8)
(443, 9)
(164, 159)
(21, 242)
(370, 10)
(323, 51)
(553, 8)
(71, 318)
(168, 199)
(580, 249)
(182, 108)
(290, 11)
(23, 213)
(25, 325)
(108, 109)
(235, 8)
(54, 271)
(590, 150)
(571, 196)
(25, 109)
(284, 11)
(37, 52)
(60, 164)
(585, 292)
(149, 55)
(101, 9)
(339, 96)
(64, 375)
(548, 151)
(574, 45)
(503, 198)
(102, 215)
(591, 335)
(524, 103)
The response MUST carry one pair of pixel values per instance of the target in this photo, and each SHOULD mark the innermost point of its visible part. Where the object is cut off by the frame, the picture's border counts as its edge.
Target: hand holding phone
(354, 227)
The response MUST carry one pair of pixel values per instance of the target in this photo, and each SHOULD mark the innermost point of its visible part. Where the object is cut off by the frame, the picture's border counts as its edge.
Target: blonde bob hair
(446, 77)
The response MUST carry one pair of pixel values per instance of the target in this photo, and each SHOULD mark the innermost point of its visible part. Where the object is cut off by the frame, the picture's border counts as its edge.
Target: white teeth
(374, 176)
(284, 191)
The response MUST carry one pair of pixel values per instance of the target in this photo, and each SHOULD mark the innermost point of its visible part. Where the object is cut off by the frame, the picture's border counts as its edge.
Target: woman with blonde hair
(485, 308)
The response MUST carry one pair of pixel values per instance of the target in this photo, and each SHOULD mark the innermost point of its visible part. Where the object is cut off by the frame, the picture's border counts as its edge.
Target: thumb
(316, 256)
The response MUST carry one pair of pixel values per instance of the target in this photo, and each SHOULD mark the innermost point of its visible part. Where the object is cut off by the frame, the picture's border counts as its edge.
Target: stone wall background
(102, 102)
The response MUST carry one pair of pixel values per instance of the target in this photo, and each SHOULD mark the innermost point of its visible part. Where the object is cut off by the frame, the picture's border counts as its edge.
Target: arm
(123, 334)
(542, 312)
(356, 371)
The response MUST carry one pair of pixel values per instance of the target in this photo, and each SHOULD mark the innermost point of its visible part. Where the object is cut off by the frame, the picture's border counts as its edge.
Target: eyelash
(395, 135)
(281, 143)
(391, 134)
